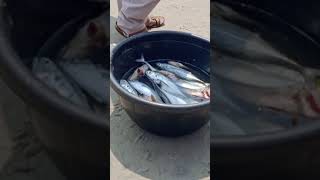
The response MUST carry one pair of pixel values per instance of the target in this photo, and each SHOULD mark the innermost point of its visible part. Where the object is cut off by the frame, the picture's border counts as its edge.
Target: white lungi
(133, 14)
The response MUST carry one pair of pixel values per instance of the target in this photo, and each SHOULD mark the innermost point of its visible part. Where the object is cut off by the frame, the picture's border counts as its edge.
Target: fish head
(153, 76)
(161, 65)
(139, 72)
(142, 70)
(123, 83)
(138, 86)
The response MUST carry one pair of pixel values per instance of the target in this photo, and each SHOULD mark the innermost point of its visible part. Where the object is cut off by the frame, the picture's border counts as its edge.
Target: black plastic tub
(295, 152)
(76, 139)
(162, 119)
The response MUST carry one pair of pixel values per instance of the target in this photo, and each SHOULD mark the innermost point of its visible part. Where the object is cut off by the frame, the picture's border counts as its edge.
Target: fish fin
(141, 59)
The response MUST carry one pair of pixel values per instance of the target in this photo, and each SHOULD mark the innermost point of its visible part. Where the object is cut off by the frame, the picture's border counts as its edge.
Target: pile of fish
(169, 83)
(258, 87)
(79, 72)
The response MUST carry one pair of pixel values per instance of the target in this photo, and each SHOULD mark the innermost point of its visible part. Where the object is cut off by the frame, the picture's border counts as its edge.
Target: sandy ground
(139, 155)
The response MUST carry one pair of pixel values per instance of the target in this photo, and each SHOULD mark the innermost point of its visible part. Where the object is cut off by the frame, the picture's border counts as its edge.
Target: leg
(134, 13)
(119, 5)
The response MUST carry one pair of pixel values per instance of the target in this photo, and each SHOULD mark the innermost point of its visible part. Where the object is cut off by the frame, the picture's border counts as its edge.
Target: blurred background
(30, 24)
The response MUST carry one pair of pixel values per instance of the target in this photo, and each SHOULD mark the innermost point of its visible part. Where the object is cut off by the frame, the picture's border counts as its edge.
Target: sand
(138, 155)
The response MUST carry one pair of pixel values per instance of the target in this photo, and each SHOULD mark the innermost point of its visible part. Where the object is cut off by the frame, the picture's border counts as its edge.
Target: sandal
(155, 22)
(126, 35)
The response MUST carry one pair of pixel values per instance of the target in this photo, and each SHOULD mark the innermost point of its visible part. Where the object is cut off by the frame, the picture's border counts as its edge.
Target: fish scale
(145, 91)
(166, 83)
(125, 85)
(184, 74)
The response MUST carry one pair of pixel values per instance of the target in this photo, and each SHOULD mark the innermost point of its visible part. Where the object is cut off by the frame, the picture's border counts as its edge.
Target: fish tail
(141, 59)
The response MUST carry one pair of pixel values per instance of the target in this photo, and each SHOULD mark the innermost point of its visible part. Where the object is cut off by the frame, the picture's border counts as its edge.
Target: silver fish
(198, 95)
(50, 74)
(191, 88)
(259, 75)
(92, 78)
(142, 60)
(125, 85)
(184, 74)
(177, 64)
(192, 84)
(145, 91)
(184, 83)
(170, 98)
(139, 72)
(240, 42)
(166, 84)
(269, 86)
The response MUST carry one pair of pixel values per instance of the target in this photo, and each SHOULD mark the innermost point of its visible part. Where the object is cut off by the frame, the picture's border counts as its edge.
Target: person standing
(134, 17)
